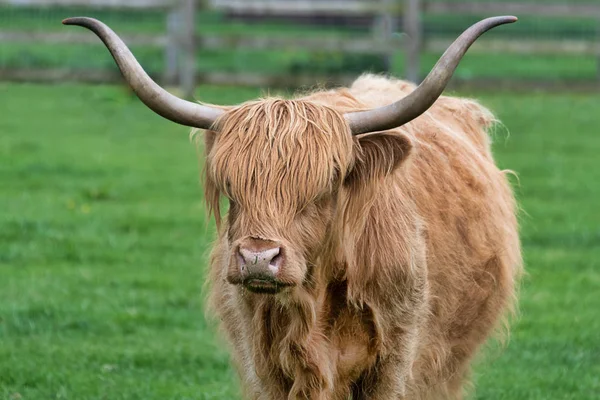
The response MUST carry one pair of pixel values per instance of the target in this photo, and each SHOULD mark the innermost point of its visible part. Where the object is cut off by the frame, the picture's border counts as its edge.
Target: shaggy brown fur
(401, 246)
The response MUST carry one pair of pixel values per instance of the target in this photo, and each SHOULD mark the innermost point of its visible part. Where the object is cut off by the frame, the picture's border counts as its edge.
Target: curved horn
(415, 104)
(156, 98)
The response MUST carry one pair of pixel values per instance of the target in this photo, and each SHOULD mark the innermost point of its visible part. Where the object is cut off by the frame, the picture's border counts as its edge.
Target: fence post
(172, 47)
(413, 28)
(385, 26)
(188, 42)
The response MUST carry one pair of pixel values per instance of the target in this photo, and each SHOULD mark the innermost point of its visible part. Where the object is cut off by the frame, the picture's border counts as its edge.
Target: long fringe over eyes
(275, 156)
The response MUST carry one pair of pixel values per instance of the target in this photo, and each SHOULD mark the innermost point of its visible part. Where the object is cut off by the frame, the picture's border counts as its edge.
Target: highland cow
(366, 253)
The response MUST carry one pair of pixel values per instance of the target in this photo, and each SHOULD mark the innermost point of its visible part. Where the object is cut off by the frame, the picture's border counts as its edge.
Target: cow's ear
(377, 155)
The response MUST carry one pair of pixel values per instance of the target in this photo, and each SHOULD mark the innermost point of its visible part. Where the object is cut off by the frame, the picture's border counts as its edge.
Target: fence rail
(542, 47)
(78, 38)
(356, 45)
(306, 7)
(114, 4)
(504, 7)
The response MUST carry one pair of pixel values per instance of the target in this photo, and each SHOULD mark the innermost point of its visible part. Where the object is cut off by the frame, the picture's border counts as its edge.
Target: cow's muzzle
(258, 266)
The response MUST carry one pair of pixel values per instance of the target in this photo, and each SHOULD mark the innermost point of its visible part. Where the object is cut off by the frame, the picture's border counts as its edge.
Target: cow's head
(280, 163)
(283, 163)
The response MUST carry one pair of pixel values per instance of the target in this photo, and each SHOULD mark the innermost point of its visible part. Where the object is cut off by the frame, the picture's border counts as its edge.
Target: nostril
(276, 261)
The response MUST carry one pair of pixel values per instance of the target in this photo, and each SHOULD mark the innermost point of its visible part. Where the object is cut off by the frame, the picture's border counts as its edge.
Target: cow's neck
(289, 340)
(313, 341)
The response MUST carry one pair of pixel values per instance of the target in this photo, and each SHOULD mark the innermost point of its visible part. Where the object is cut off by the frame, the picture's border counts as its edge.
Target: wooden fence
(414, 43)
(180, 42)
(383, 14)
(568, 9)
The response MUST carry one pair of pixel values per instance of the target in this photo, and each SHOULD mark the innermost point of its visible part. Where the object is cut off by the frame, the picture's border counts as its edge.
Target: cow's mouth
(263, 285)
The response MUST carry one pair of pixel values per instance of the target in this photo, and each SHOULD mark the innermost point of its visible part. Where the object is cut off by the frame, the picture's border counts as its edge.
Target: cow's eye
(314, 208)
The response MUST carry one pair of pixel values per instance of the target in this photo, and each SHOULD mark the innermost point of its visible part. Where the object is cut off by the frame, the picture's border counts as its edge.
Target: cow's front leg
(400, 335)
(390, 382)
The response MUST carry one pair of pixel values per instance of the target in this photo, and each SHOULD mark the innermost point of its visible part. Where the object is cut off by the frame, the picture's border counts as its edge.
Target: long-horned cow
(366, 253)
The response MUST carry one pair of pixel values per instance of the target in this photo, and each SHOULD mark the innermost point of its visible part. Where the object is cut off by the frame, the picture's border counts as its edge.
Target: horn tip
(501, 20)
(76, 21)
(68, 21)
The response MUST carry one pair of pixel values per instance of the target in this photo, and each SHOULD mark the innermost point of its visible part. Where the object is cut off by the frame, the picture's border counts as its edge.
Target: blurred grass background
(103, 242)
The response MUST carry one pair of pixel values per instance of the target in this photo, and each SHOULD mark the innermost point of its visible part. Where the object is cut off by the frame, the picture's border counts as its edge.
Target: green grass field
(104, 237)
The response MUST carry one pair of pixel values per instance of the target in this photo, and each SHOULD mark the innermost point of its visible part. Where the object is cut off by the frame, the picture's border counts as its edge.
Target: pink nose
(254, 261)
(260, 266)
